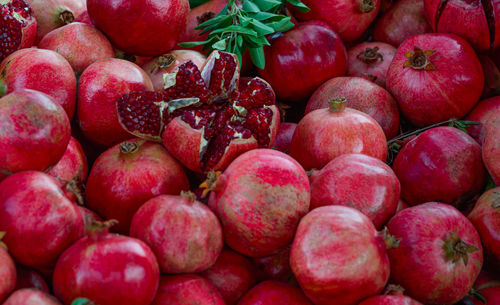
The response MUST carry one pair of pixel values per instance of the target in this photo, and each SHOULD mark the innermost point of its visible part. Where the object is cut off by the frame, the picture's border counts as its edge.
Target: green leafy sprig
(244, 25)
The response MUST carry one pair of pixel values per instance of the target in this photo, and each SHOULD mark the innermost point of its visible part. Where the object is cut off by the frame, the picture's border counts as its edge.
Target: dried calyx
(370, 55)
(366, 6)
(456, 249)
(419, 59)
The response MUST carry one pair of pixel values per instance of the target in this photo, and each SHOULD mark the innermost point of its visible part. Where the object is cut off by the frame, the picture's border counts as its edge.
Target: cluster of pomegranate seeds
(12, 21)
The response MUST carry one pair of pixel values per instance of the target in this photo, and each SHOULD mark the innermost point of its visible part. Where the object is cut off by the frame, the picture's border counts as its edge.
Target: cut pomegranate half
(202, 117)
(17, 27)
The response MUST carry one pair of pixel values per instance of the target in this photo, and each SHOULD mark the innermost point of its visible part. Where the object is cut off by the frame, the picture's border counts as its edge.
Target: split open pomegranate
(17, 27)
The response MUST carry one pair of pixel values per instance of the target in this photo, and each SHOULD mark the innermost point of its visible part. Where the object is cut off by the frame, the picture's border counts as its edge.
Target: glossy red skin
(323, 135)
(491, 295)
(303, 58)
(8, 274)
(119, 183)
(450, 91)
(284, 137)
(100, 86)
(274, 293)
(491, 151)
(405, 19)
(41, 70)
(419, 264)
(72, 166)
(441, 164)
(187, 289)
(491, 77)
(274, 267)
(81, 45)
(233, 275)
(259, 200)
(486, 278)
(107, 269)
(390, 300)
(25, 144)
(358, 181)
(181, 56)
(39, 220)
(482, 112)
(361, 95)
(486, 220)
(185, 235)
(345, 17)
(378, 69)
(30, 296)
(325, 256)
(143, 21)
(47, 13)
(29, 278)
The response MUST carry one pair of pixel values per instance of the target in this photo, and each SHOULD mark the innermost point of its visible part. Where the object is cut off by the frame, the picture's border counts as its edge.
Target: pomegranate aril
(10, 34)
(222, 75)
(188, 83)
(259, 121)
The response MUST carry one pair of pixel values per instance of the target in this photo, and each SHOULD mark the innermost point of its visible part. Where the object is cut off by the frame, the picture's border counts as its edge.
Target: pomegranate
(187, 289)
(7, 271)
(338, 255)
(440, 253)
(370, 60)
(284, 137)
(34, 132)
(17, 27)
(168, 63)
(274, 267)
(29, 278)
(42, 70)
(31, 296)
(401, 205)
(441, 164)
(88, 216)
(490, 294)
(80, 43)
(127, 175)
(71, 171)
(405, 19)
(52, 14)
(152, 27)
(84, 18)
(390, 300)
(491, 151)
(484, 110)
(300, 60)
(204, 119)
(485, 218)
(361, 95)
(232, 274)
(107, 269)
(100, 85)
(491, 77)
(358, 181)
(41, 222)
(435, 77)
(274, 293)
(325, 134)
(349, 18)
(138, 60)
(260, 199)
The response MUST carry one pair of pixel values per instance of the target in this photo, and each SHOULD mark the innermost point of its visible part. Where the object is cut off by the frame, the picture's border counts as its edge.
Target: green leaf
(191, 44)
(235, 29)
(250, 7)
(268, 5)
(261, 28)
(282, 25)
(257, 56)
(239, 41)
(255, 42)
(220, 45)
(82, 301)
(195, 3)
(264, 16)
(213, 21)
(299, 5)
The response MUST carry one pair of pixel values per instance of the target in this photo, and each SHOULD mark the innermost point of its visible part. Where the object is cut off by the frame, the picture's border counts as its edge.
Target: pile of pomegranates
(249, 152)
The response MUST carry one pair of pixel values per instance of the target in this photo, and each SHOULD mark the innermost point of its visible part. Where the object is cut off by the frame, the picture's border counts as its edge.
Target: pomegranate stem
(337, 104)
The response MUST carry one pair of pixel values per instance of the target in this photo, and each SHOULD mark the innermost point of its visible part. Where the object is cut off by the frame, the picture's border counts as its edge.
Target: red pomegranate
(42, 70)
(52, 14)
(300, 60)
(484, 110)
(435, 77)
(361, 95)
(169, 62)
(17, 27)
(127, 175)
(84, 18)
(491, 151)
(100, 85)
(324, 134)
(488, 286)
(401, 205)
(370, 60)
(187, 289)
(490, 294)
(274, 267)
(41, 222)
(474, 20)
(31, 296)
(390, 300)
(71, 171)
(274, 293)
(107, 269)
(405, 19)
(81, 44)
(358, 181)
(138, 60)
(7, 271)
(29, 278)
(89, 217)
(152, 27)
(259, 200)
(349, 18)
(203, 118)
(486, 219)
(441, 164)
(34, 134)
(491, 77)
(232, 274)
(439, 255)
(338, 255)
(284, 137)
